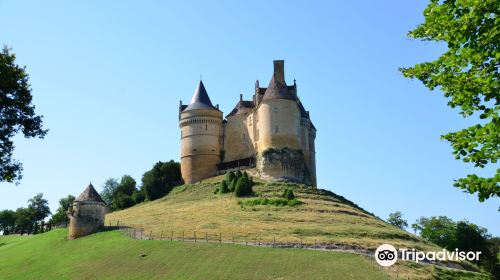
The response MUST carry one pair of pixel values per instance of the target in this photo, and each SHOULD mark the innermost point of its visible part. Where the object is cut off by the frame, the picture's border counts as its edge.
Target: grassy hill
(323, 217)
(112, 255)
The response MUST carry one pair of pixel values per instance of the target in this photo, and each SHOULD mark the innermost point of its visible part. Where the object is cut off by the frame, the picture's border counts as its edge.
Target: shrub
(223, 188)
(229, 177)
(238, 174)
(232, 186)
(284, 193)
(289, 194)
(270, 201)
(243, 187)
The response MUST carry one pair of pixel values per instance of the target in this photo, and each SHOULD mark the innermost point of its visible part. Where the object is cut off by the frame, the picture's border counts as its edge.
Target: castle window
(206, 126)
(194, 150)
(276, 129)
(275, 109)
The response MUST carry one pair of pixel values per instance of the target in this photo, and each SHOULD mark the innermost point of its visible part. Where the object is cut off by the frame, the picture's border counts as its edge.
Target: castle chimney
(241, 97)
(279, 71)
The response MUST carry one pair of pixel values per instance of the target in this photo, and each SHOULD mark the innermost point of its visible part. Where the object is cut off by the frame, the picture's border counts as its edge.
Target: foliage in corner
(467, 73)
(17, 114)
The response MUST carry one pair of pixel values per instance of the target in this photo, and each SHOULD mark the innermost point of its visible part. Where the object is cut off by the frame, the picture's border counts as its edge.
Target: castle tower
(86, 215)
(279, 114)
(201, 137)
(285, 134)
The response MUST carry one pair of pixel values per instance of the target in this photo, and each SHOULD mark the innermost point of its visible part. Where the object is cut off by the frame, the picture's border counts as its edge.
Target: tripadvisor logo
(387, 255)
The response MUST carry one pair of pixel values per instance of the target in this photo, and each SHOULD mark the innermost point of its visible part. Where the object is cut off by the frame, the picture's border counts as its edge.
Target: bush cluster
(240, 183)
(270, 201)
(288, 194)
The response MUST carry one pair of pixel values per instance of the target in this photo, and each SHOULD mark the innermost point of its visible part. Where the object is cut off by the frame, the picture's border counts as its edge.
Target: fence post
(134, 234)
(233, 238)
(220, 237)
(246, 239)
(259, 240)
(274, 241)
(151, 235)
(141, 232)
(206, 236)
(172, 236)
(182, 235)
(195, 236)
(161, 235)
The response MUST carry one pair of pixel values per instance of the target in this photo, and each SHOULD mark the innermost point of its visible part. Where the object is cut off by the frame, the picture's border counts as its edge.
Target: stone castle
(272, 132)
(86, 215)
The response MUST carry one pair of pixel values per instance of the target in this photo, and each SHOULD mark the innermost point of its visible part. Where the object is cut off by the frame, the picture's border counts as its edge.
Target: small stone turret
(86, 215)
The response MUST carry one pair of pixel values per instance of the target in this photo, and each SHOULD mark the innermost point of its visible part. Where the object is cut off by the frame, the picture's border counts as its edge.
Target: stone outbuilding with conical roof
(273, 131)
(86, 215)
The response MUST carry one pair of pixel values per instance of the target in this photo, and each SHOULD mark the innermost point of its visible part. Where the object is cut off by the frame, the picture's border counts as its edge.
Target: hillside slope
(112, 255)
(322, 218)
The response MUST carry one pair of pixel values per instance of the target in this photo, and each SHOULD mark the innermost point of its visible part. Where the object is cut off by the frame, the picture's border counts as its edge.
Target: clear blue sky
(108, 76)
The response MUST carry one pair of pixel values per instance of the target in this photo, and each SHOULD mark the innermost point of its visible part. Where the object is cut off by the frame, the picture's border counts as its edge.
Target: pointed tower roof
(90, 194)
(200, 99)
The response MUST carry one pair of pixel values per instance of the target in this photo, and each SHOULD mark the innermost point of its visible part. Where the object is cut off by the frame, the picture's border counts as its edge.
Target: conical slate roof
(277, 90)
(200, 99)
(90, 194)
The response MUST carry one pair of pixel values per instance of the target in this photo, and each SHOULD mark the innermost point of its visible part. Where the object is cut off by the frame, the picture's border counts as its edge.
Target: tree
(160, 180)
(17, 114)
(440, 230)
(138, 196)
(122, 201)
(60, 215)
(127, 185)
(24, 220)
(396, 219)
(467, 73)
(39, 206)
(109, 190)
(7, 221)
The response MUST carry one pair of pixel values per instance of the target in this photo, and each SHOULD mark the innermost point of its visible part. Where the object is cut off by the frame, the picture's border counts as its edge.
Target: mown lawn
(111, 255)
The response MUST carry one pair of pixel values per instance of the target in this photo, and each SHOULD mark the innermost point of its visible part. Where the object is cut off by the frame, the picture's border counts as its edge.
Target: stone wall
(284, 164)
(238, 143)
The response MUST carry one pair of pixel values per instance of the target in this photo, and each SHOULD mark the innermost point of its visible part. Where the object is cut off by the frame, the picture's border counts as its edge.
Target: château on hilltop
(272, 132)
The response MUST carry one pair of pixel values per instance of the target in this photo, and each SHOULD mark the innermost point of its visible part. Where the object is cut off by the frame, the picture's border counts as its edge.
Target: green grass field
(111, 255)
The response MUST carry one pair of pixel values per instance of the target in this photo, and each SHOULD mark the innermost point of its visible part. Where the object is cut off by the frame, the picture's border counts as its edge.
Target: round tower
(86, 215)
(201, 137)
(279, 114)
